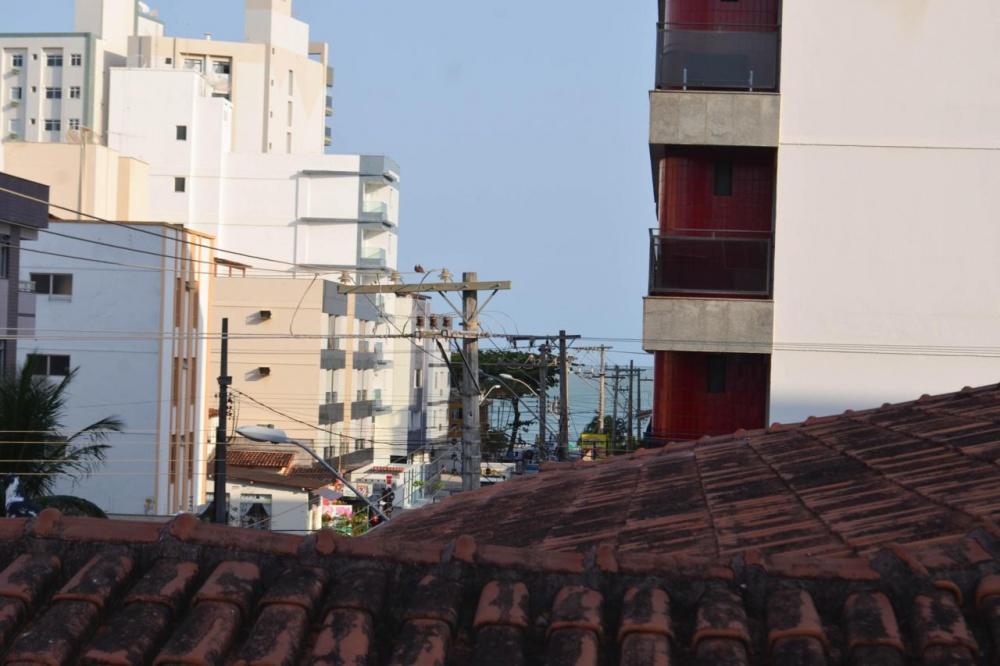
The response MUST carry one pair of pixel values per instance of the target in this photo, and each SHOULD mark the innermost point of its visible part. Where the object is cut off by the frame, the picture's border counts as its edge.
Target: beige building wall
(113, 187)
(294, 383)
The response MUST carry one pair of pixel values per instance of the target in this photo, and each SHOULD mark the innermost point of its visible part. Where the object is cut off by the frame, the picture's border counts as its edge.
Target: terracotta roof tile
(259, 459)
(208, 595)
(836, 487)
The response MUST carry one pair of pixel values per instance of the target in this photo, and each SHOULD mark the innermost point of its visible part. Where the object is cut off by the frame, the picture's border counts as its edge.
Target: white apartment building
(53, 86)
(827, 215)
(129, 313)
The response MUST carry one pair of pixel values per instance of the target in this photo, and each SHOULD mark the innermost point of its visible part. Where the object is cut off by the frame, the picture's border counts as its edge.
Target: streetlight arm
(337, 475)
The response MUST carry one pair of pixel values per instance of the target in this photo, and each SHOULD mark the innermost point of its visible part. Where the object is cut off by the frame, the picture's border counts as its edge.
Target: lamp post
(503, 378)
(275, 436)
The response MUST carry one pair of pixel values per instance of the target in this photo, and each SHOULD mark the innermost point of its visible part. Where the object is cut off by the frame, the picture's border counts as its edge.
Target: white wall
(119, 377)
(887, 266)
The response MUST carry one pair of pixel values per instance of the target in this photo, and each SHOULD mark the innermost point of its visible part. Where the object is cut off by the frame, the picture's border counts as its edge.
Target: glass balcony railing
(375, 207)
(692, 56)
(706, 265)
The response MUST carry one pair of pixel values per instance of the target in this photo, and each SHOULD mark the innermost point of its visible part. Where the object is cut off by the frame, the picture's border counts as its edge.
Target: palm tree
(33, 446)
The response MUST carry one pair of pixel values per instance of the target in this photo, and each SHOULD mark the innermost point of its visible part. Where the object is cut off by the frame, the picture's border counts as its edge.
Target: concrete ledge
(713, 118)
(707, 325)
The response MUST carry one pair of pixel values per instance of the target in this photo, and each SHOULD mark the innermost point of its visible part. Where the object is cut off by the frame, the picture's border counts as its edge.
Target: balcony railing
(734, 57)
(372, 257)
(327, 135)
(705, 265)
(375, 207)
(329, 105)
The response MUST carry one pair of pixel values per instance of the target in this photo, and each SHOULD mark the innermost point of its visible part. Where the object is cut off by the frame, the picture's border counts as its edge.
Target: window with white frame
(76, 59)
(53, 125)
(197, 64)
(16, 93)
(54, 59)
(53, 92)
(17, 60)
(74, 92)
(48, 365)
(53, 284)
(74, 123)
(255, 511)
(221, 67)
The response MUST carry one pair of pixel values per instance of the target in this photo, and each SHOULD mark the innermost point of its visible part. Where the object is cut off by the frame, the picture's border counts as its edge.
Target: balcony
(329, 106)
(331, 413)
(361, 409)
(327, 136)
(709, 266)
(726, 57)
(329, 77)
(372, 257)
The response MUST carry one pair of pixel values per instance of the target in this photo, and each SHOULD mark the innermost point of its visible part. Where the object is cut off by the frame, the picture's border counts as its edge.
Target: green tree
(34, 446)
(620, 433)
(523, 367)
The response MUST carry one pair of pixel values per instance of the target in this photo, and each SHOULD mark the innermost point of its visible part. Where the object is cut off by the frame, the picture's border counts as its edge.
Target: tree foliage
(33, 444)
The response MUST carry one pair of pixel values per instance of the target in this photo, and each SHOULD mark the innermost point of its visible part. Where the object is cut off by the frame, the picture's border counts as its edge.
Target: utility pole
(219, 499)
(471, 307)
(638, 405)
(563, 398)
(471, 444)
(614, 409)
(600, 394)
(543, 382)
(631, 414)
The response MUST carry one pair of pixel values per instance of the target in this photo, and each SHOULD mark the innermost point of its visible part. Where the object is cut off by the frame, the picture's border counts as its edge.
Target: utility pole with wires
(543, 380)
(563, 447)
(631, 414)
(602, 379)
(563, 340)
(219, 497)
(614, 411)
(470, 286)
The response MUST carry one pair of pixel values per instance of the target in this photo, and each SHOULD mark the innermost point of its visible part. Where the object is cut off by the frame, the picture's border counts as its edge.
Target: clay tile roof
(918, 473)
(88, 591)
(259, 459)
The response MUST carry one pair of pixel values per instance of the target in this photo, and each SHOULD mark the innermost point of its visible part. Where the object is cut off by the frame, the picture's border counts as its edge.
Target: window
(221, 67)
(418, 378)
(53, 93)
(76, 59)
(74, 92)
(53, 125)
(182, 133)
(723, 179)
(4, 259)
(255, 511)
(48, 365)
(53, 284)
(74, 123)
(180, 184)
(291, 113)
(54, 60)
(291, 82)
(716, 373)
(288, 143)
(169, 61)
(197, 64)
(17, 60)
(16, 93)
(359, 445)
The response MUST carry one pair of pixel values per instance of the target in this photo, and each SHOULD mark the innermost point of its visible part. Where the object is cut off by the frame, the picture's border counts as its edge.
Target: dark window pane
(723, 179)
(59, 365)
(38, 364)
(717, 373)
(180, 185)
(43, 283)
(182, 132)
(62, 285)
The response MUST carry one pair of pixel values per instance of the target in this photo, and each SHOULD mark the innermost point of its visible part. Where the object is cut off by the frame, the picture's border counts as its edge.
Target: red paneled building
(712, 250)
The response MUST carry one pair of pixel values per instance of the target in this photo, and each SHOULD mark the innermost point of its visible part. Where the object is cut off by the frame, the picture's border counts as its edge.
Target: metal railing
(377, 207)
(728, 57)
(705, 265)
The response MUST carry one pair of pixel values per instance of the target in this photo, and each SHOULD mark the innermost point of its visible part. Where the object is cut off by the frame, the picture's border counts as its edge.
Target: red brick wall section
(684, 409)
(687, 193)
(708, 14)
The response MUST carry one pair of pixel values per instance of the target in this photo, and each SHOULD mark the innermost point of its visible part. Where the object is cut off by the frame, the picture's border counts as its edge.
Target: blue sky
(520, 128)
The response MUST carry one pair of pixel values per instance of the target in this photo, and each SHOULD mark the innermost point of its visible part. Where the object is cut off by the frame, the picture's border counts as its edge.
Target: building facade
(799, 265)
(23, 213)
(126, 307)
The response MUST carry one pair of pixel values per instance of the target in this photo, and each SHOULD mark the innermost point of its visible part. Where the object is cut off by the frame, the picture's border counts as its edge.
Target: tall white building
(826, 180)
(227, 140)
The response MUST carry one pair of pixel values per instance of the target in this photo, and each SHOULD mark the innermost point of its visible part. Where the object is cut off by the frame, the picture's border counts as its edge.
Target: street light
(506, 376)
(275, 436)
(509, 377)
